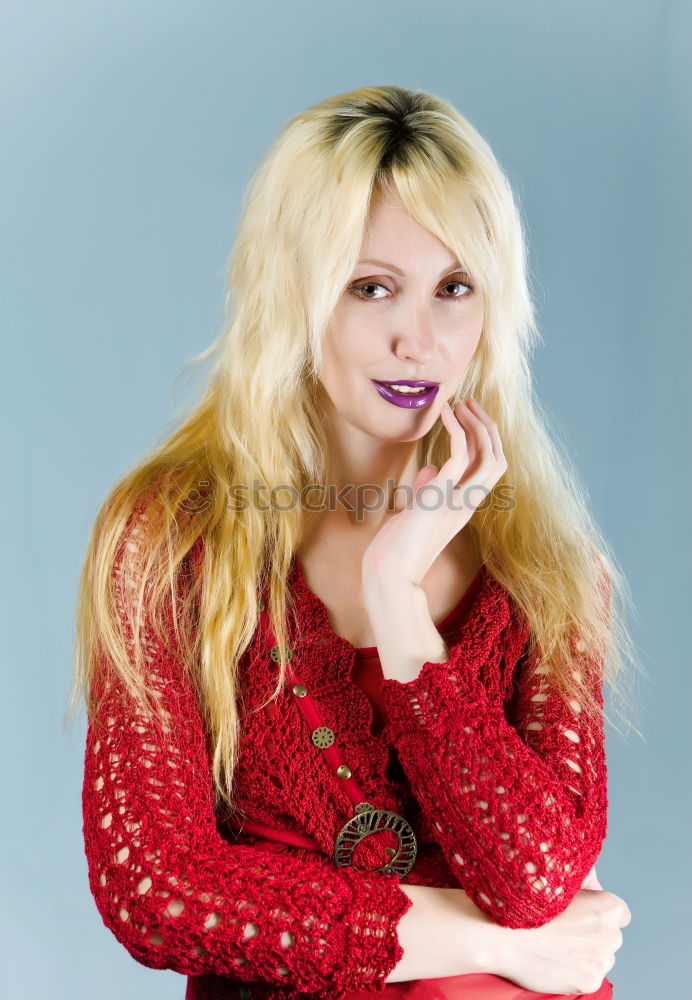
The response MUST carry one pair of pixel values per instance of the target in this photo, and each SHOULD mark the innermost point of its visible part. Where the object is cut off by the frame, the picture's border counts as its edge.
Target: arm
(517, 802)
(178, 896)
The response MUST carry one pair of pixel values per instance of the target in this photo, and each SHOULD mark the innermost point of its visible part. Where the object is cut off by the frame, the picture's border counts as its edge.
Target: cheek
(469, 334)
(460, 348)
(342, 365)
(352, 344)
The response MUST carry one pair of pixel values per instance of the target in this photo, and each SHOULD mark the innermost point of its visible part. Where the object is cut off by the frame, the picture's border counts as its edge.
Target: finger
(591, 881)
(478, 446)
(453, 469)
(490, 427)
(493, 463)
(462, 414)
(483, 443)
(458, 461)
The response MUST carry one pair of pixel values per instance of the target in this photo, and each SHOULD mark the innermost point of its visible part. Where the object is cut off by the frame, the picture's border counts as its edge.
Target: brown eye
(462, 284)
(357, 289)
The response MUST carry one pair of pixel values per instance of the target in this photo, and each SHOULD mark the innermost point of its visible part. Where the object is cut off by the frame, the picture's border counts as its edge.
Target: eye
(462, 284)
(466, 288)
(356, 289)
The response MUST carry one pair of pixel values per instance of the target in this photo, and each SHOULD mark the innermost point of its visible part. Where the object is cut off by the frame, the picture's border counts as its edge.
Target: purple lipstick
(413, 396)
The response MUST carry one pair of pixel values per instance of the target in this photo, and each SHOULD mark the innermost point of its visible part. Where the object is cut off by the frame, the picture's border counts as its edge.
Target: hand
(570, 954)
(408, 543)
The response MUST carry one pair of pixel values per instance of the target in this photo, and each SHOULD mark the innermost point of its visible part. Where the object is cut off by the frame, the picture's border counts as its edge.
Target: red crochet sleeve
(515, 791)
(178, 896)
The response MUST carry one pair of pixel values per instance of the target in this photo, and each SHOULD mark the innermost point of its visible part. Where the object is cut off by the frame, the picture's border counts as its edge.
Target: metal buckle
(367, 820)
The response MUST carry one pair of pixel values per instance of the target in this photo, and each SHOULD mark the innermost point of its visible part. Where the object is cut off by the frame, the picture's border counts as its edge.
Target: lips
(407, 400)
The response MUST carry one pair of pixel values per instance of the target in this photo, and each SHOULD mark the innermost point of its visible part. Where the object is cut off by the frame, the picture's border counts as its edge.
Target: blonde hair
(300, 232)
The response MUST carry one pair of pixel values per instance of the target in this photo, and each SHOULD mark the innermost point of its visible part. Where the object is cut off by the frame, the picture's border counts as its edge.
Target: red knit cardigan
(504, 785)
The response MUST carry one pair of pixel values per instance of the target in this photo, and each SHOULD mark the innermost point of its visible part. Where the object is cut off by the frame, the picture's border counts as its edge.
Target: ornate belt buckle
(367, 820)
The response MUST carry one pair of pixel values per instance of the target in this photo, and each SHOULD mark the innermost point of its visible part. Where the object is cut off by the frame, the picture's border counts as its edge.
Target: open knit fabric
(504, 786)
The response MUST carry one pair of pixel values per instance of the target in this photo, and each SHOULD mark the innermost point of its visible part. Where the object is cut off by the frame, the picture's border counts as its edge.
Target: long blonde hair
(299, 236)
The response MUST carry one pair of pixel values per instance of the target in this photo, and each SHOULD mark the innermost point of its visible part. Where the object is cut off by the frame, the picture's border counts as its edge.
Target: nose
(416, 341)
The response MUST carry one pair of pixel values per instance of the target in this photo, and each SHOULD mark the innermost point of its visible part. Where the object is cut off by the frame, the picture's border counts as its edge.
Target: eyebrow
(453, 266)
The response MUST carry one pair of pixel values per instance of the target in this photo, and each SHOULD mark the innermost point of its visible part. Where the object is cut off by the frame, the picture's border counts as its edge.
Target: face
(412, 315)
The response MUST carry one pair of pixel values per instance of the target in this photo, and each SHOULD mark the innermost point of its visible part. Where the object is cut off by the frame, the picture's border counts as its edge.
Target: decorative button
(260, 605)
(276, 657)
(299, 690)
(344, 771)
(322, 737)
(371, 821)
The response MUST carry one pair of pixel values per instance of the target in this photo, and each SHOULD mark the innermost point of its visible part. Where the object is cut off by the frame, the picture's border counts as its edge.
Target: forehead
(394, 236)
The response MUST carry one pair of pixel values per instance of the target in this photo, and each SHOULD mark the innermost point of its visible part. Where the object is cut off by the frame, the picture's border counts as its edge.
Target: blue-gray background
(129, 131)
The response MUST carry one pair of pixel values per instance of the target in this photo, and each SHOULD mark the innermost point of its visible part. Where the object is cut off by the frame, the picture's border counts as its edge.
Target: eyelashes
(466, 282)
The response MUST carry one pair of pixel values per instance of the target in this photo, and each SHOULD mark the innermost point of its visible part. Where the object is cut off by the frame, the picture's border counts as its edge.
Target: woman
(342, 642)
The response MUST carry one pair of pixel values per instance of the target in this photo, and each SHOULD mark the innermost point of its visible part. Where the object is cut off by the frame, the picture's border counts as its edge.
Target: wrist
(405, 634)
(494, 953)
(382, 584)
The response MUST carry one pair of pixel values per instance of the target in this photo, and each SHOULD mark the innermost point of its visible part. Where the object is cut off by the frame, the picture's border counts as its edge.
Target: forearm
(405, 634)
(443, 934)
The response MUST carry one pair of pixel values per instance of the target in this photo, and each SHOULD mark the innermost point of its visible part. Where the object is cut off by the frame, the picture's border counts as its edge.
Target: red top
(503, 784)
